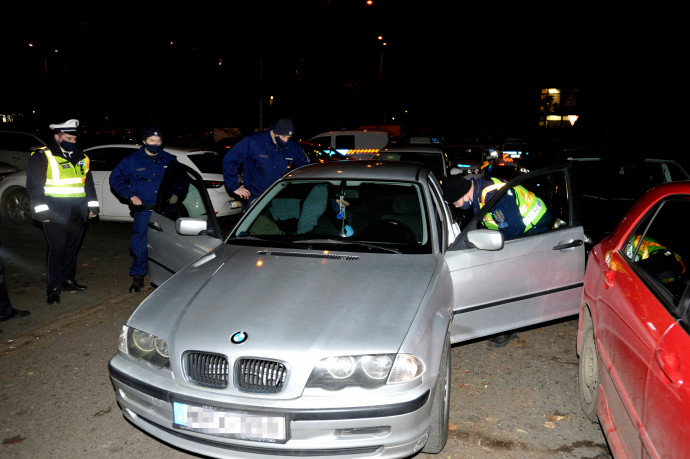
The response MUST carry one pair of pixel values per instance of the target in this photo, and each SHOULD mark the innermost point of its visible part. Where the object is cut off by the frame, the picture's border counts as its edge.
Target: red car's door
(667, 404)
(628, 329)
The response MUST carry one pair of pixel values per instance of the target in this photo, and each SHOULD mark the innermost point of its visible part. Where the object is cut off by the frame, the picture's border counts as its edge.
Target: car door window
(182, 195)
(659, 250)
(106, 159)
(544, 200)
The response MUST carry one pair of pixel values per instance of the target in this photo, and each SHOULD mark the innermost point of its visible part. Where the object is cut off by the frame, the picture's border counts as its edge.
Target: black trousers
(64, 241)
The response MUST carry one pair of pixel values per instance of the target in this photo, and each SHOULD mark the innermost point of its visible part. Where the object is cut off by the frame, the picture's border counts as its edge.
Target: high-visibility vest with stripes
(530, 206)
(63, 179)
(647, 248)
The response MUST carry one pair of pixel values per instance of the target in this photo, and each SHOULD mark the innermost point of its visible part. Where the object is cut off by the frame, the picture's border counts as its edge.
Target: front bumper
(395, 429)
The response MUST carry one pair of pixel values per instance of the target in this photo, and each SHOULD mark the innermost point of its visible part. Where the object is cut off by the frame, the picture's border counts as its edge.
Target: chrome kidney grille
(257, 375)
(208, 370)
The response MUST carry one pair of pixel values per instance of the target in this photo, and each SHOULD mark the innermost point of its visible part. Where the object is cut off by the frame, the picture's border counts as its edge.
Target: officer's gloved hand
(93, 210)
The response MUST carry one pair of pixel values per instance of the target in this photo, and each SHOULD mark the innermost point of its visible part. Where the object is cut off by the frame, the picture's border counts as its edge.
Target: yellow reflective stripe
(527, 219)
(491, 188)
(53, 166)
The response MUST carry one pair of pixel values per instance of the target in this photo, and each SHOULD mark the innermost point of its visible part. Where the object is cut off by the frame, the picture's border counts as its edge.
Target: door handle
(569, 245)
(669, 365)
(155, 226)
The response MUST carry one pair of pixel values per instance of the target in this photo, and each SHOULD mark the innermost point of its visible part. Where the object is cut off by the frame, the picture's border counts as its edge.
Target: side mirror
(191, 226)
(485, 239)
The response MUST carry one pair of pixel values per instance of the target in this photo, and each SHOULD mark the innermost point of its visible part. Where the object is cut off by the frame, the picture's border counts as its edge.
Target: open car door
(504, 284)
(183, 224)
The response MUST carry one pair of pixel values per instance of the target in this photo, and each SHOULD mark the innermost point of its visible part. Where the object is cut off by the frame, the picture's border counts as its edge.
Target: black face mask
(154, 149)
(280, 142)
(68, 146)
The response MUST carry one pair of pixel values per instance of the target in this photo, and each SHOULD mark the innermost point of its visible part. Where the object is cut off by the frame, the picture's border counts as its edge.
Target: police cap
(68, 127)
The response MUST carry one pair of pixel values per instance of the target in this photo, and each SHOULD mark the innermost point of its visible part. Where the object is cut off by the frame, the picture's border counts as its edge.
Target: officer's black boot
(137, 284)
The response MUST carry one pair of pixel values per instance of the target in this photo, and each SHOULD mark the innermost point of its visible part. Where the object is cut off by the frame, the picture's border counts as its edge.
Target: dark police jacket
(140, 174)
(58, 209)
(263, 162)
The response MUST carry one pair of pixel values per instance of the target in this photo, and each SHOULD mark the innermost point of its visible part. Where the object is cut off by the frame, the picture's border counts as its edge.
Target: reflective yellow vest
(64, 180)
(530, 206)
(648, 247)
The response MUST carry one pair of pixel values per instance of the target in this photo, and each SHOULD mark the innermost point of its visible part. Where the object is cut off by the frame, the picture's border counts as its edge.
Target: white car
(16, 147)
(15, 203)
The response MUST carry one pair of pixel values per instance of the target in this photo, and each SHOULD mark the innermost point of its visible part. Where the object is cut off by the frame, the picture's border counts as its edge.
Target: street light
(383, 44)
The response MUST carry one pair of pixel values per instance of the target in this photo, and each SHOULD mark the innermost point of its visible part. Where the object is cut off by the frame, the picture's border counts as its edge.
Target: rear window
(208, 162)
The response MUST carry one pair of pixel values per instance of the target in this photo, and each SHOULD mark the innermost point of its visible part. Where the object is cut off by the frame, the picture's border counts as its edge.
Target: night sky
(448, 66)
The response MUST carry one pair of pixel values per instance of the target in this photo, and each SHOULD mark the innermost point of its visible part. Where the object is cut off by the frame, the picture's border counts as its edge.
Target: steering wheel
(389, 230)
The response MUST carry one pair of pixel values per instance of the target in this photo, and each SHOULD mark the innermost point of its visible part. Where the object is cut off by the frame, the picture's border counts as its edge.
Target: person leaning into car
(265, 158)
(137, 179)
(518, 212)
(63, 197)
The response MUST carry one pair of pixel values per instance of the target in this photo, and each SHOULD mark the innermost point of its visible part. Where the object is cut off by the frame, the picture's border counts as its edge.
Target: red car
(634, 330)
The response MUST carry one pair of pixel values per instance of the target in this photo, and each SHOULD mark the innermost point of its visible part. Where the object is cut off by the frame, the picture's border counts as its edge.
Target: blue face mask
(466, 205)
(280, 142)
(67, 146)
(154, 149)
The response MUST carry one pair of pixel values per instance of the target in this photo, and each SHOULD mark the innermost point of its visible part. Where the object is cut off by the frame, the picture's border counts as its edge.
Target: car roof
(170, 149)
(362, 169)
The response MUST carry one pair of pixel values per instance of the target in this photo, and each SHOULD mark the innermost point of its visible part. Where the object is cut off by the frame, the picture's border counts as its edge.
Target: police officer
(137, 179)
(63, 197)
(265, 158)
(518, 212)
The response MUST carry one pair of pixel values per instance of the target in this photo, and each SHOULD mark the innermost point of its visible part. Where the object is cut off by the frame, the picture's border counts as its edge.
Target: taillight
(213, 183)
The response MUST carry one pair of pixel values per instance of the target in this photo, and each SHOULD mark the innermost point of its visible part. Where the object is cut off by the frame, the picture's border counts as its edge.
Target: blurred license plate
(231, 424)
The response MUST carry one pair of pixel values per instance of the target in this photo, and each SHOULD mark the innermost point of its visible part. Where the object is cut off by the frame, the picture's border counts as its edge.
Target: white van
(360, 144)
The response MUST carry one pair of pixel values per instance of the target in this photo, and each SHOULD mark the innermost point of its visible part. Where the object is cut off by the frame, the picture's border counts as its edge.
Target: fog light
(381, 431)
(421, 442)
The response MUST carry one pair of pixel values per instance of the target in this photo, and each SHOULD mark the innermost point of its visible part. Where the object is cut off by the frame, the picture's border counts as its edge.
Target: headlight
(367, 371)
(141, 345)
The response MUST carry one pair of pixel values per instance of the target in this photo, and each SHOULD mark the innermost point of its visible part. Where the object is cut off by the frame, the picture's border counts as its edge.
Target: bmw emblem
(239, 337)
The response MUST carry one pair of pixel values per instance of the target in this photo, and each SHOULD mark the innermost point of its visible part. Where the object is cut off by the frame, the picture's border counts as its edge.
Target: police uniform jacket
(263, 162)
(58, 209)
(505, 213)
(140, 174)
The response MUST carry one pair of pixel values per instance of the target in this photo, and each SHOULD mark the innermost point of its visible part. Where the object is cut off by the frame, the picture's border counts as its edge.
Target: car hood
(289, 302)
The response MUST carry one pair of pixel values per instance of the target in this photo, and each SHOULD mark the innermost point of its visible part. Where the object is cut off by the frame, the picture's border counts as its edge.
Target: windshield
(347, 215)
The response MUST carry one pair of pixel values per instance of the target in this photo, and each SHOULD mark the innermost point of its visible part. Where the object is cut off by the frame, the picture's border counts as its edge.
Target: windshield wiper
(347, 242)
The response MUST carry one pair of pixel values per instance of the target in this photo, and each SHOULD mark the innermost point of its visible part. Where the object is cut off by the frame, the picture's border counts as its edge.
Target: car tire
(16, 206)
(438, 435)
(589, 377)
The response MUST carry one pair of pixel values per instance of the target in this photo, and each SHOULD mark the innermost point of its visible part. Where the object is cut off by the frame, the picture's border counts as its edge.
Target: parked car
(434, 157)
(322, 324)
(16, 147)
(634, 329)
(7, 169)
(608, 181)
(467, 157)
(360, 144)
(320, 154)
(16, 204)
